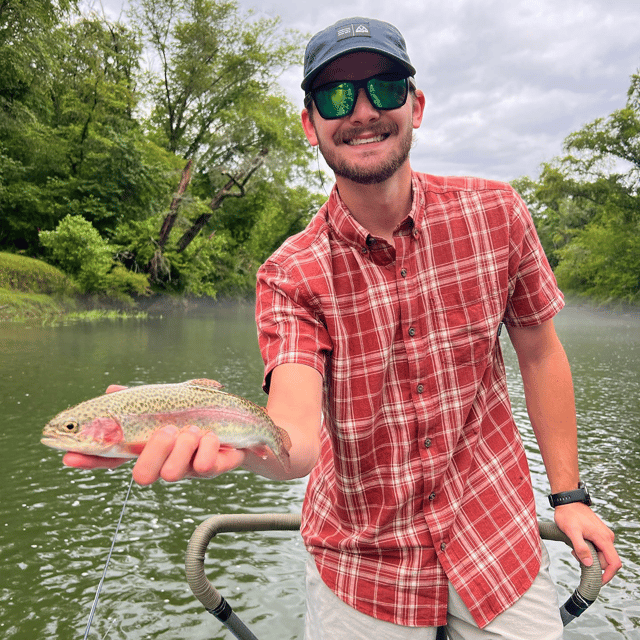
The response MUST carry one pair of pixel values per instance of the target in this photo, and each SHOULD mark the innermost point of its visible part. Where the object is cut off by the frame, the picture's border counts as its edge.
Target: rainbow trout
(118, 424)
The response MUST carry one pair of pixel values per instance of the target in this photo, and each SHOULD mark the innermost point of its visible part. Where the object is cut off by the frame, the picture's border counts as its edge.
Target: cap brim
(311, 76)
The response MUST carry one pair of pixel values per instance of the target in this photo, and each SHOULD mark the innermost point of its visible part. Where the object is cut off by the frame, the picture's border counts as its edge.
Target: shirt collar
(351, 231)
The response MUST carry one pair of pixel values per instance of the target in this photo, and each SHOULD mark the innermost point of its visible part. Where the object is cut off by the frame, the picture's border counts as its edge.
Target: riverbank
(33, 291)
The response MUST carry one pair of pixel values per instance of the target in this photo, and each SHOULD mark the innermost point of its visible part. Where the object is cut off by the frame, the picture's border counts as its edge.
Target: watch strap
(567, 497)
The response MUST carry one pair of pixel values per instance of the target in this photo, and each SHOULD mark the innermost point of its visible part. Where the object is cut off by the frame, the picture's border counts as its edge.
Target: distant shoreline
(33, 291)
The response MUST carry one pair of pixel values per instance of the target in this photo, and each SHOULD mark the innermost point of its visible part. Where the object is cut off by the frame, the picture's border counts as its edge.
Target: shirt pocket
(464, 325)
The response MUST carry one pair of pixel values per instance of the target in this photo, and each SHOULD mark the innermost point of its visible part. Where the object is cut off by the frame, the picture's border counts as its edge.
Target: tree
(85, 133)
(217, 103)
(212, 61)
(72, 144)
(586, 205)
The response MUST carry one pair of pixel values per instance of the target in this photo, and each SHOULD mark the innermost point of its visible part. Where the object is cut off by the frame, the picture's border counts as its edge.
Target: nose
(363, 111)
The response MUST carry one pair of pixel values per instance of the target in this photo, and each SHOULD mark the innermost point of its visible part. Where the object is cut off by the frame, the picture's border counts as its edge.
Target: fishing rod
(584, 595)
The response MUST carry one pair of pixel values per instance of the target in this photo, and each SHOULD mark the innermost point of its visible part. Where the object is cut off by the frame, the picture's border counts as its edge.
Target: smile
(359, 141)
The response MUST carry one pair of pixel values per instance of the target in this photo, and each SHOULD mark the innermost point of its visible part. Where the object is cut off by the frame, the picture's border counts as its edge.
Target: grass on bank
(30, 289)
(34, 290)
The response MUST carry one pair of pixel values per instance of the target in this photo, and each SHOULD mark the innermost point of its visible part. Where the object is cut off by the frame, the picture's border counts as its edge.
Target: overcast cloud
(505, 80)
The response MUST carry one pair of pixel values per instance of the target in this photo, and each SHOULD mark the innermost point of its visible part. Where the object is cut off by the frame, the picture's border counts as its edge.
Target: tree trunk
(239, 180)
(170, 218)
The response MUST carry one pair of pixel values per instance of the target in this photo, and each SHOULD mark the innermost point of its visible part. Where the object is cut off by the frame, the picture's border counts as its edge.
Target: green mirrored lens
(335, 100)
(387, 93)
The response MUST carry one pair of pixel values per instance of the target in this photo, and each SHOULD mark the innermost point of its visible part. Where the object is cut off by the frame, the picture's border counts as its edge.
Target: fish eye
(70, 427)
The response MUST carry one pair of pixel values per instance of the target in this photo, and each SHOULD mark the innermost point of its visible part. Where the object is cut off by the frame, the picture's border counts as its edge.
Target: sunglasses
(335, 100)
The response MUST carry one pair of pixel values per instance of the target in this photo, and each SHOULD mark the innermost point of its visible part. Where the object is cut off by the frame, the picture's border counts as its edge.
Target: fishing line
(106, 564)
(106, 633)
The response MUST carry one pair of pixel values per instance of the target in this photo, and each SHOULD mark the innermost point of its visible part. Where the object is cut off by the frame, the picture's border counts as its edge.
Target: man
(379, 329)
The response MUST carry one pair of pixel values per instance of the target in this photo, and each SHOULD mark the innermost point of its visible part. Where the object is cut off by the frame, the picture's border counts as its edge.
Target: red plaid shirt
(422, 475)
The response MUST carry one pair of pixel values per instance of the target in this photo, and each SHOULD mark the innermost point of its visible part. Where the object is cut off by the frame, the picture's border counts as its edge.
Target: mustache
(377, 129)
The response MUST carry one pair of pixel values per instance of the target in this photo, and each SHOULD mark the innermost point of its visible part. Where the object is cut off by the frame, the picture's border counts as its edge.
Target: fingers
(158, 453)
(610, 562)
(580, 523)
(173, 455)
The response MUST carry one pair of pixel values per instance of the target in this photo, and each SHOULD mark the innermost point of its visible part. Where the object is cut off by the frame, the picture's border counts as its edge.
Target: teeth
(357, 141)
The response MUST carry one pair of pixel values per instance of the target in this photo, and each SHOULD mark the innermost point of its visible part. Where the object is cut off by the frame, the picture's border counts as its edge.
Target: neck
(379, 207)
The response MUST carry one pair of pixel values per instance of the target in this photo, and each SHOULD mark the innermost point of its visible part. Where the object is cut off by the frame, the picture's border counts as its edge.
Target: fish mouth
(69, 444)
(54, 443)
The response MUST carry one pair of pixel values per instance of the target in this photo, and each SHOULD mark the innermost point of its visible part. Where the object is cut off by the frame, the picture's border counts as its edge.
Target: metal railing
(584, 595)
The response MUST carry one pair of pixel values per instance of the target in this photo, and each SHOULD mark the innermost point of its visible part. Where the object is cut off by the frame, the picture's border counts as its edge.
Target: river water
(56, 524)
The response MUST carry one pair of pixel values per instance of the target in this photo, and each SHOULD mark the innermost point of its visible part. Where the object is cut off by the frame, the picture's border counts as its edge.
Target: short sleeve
(534, 296)
(290, 329)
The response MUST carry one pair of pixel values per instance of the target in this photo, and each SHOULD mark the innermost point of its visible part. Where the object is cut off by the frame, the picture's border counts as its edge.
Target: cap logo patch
(353, 30)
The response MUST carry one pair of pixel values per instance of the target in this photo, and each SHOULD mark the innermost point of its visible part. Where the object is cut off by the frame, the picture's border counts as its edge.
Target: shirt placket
(413, 319)
(415, 327)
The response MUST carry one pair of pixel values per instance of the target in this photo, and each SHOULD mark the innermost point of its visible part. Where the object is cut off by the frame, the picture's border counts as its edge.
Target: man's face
(370, 145)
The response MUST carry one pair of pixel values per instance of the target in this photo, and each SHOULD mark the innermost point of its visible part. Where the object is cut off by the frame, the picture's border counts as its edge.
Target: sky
(505, 80)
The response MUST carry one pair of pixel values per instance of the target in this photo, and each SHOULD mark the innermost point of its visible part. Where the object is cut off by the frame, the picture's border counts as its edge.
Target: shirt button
(412, 331)
(403, 273)
(432, 496)
(364, 249)
(427, 442)
(420, 388)
(443, 546)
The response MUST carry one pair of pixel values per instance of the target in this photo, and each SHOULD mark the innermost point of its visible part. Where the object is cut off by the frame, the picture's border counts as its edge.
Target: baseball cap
(349, 35)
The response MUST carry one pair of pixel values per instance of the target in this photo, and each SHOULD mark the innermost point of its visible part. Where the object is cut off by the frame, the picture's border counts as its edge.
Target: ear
(418, 108)
(309, 128)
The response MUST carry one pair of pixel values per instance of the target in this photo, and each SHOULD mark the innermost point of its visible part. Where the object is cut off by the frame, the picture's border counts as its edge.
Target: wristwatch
(581, 494)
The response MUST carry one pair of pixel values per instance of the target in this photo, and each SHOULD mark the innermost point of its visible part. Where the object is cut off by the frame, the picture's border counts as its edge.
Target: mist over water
(56, 524)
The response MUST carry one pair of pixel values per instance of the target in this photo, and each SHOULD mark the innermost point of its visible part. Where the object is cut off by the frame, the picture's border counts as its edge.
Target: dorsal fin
(205, 382)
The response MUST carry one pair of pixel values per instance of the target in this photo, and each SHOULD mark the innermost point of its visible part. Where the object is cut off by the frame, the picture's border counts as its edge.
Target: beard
(367, 174)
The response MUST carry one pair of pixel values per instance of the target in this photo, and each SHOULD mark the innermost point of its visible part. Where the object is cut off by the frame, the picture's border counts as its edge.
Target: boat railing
(583, 596)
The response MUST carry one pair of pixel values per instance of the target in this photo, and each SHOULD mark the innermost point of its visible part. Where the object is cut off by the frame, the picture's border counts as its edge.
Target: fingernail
(170, 430)
(194, 429)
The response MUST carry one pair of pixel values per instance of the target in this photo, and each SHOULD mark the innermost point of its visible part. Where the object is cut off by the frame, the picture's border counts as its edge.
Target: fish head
(97, 435)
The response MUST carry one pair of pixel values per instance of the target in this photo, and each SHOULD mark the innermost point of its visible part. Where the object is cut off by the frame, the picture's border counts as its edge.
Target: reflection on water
(57, 523)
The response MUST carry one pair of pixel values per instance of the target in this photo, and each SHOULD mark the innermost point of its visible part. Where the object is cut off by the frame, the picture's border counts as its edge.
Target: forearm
(295, 405)
(551, 407)
(548, 389)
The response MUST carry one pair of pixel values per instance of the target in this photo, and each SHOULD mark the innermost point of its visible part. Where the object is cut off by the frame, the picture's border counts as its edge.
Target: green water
(56, 524)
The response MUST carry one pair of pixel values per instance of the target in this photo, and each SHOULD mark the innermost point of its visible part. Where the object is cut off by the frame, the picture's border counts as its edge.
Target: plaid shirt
(422, 475)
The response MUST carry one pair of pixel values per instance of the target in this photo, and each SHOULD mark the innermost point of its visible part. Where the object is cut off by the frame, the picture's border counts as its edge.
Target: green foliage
(214, 61)
(28, 275)
(88, 181)
(80, 251)
(586, 206)
(603, 262)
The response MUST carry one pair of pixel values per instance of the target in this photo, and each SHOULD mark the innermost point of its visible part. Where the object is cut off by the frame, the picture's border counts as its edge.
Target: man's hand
(580, 523)
(172, 455)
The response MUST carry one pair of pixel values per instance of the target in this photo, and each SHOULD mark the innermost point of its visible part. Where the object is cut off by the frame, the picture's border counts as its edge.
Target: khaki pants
(535, 616)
